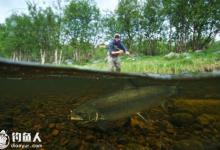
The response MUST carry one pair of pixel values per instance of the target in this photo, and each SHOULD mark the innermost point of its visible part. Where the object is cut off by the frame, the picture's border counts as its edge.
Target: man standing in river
(115, 49)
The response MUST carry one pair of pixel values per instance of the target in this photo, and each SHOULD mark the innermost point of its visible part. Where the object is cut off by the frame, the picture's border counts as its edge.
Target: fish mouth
(76, 115)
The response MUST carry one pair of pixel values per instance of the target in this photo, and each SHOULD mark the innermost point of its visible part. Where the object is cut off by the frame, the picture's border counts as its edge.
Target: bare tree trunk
(76, 56)
(14, 56)
(55, 56)
(43, 56)
(20, 56)
(60, 57)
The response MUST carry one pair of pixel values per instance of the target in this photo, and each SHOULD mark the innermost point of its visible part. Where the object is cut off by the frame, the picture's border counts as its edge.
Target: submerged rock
(182, 119)
(64, 141)
(55, 132)
(217, 126)
(190, 144)
(74, 143)
(134, 146)
(206, 119)
(90, 138)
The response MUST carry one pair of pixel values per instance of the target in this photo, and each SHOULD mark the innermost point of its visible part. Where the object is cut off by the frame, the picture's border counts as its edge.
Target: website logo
(4, 140)
(23, 140)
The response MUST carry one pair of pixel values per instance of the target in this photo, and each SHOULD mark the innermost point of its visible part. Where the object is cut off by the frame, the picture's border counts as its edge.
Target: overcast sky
(7, 7)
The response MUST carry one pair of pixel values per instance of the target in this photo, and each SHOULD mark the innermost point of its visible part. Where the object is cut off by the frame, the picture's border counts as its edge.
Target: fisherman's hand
(116, 53)
(127, 52)
(120, 52)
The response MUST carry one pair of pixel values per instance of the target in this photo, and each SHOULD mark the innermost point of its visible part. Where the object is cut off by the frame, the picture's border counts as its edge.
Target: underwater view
(80, 109)
(110, 74)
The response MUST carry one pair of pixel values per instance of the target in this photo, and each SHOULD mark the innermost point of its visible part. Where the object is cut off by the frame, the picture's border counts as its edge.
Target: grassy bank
(199, 61)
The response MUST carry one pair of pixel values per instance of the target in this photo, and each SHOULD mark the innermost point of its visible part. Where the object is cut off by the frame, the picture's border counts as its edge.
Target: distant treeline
(73, 29)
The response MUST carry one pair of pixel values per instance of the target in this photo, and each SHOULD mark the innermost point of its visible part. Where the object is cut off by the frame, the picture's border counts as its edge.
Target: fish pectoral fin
(141, 116)
(75, 117)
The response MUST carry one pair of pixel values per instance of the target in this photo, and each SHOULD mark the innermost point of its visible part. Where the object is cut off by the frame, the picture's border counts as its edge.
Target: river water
(83, 109)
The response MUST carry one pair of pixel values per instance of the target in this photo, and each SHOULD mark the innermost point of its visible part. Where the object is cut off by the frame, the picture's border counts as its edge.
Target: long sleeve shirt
(115, 46)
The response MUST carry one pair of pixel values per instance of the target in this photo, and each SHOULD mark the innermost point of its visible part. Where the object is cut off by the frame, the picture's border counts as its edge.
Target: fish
(91, 95)
(122, 103)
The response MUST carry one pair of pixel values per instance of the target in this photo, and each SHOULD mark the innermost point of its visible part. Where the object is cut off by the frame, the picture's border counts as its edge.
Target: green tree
(81, 22)
(2, 39)
(45, 30)
(128, 16)
(204, 20)
(194, 23)
(151, 23)
(16, 42)
(110, 24)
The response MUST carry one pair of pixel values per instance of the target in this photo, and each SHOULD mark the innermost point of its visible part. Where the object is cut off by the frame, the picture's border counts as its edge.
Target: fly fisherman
(115, 49)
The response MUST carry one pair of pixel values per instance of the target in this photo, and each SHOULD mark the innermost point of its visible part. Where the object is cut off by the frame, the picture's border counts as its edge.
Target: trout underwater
(96, 95)
(122, 103)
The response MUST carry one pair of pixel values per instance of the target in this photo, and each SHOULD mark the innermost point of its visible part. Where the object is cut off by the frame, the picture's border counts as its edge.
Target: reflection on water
(35, 99)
